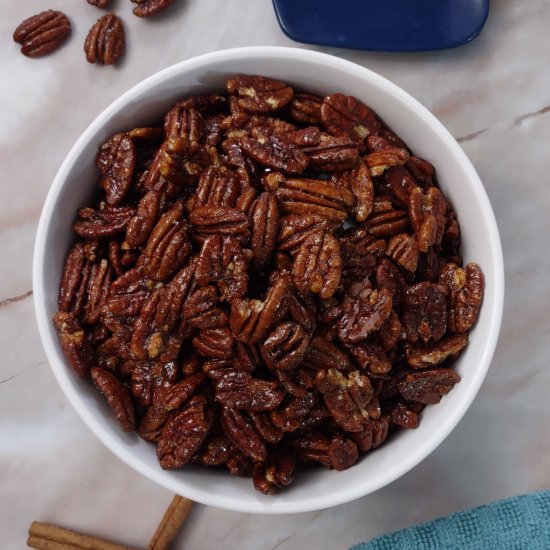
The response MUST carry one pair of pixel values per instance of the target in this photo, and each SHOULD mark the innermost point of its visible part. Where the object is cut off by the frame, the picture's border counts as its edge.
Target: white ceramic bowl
(75, 184)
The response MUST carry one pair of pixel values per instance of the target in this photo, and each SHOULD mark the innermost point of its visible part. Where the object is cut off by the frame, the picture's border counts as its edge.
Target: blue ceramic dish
(383, 25)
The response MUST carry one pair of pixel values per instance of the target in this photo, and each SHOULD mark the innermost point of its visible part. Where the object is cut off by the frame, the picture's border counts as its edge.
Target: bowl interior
(145, 104)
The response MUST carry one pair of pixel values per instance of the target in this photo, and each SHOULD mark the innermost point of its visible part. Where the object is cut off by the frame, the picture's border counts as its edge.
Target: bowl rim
(112, 443)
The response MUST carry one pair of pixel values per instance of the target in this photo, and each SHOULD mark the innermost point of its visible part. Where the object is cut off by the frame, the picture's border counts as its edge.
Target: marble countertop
(493, 94)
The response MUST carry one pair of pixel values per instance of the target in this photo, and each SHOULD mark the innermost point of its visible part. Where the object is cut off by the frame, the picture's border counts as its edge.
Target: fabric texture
(518, 523)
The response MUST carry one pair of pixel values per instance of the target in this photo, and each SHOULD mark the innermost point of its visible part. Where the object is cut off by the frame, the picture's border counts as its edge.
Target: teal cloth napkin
(518, 523)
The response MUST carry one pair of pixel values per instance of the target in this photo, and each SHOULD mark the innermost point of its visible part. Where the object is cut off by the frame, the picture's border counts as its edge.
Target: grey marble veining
(493, 94)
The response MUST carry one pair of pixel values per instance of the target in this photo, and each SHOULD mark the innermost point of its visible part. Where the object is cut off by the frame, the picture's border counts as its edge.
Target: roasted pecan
(322, 354)
(74, 342)
(360, 252)
(258, 94)
(207, 104)
(373, 435)
(295, 229)
(186, 123)
(403, 250)
(148, 8)
(116, 161)
(346, 397)
(43, 33)
(217, 452)
(390, 332)
(302, 310)
(318, 266)
(425, 315)
(465, 295)
(184, 433)
(251, 320)
(431, 356)
(342, 452)
(181, 161)
(305, 108)
(242, 433)
(400, 183)
(128, 293)
(389, 157)
(361, 186)
(106, 41)
(289, 418)
(276, 153)
(401, 415)
(98, 290)
(285, 346)
(169, 400)
(239, 465)
(142, 223)
(237, 389)
(428, 386)
(308, 196)
(346, 116)
(385, 221)
(99, 3)
(209, 262)
(117, 396)
(427, 213)
(218, 186)
(277, 472)
(167, 248)
(74, 282)
(389, 277)
(312, 446)
(371, 358)
(233, 280)
(422, 171)
(265, 217)
(216, 343)
(220, 220)
(364, 311)
(332, 153)
(149, 378)
(266, 427)
(105, 222)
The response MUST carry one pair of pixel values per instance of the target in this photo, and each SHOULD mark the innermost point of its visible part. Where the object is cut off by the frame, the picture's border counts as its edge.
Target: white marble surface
(495, 91)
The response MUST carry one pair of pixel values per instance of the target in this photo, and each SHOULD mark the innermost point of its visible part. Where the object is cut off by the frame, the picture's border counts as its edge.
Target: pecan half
(117, 396)
(346, 397)
(184, 433)
(272, 475)
(285, 346)
(242, 433)
(106, 41)
(346, 116)
(403, 250)
(105, 222)
(427, 213)
(258, 94)
(74, 342)
(116, 161)
(265, 217)
(425, 315)
(322, 354)
(332, 154)
(305, 108)
(295, 229)
(238, 390)
(431, 356)
(465, 295)
(99, 3)
(186, 123)
(220, 220)
(428, 386)
(276, 153)
(149, 8)
(318, 267)
(216, 343)
(364, 311)
(43, 33)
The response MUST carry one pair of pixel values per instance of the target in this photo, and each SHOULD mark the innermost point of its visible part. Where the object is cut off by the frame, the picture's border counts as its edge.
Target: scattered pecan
(148, 8)
(117, 396)
(106, 41)
(99, 3)
(43, 33)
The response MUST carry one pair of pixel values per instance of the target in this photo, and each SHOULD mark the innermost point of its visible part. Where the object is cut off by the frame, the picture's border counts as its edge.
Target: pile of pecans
(272, 279)
(45, 32)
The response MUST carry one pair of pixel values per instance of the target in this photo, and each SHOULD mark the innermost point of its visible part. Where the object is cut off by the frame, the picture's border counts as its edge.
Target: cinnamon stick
(45, 536)
(171, 523)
